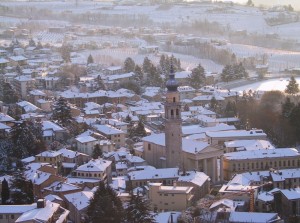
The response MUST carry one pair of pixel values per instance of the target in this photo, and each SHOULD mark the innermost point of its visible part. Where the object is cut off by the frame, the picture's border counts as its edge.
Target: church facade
(170, 149)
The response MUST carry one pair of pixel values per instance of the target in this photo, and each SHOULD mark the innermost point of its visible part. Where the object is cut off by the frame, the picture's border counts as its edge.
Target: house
(3, 63)
(52, 157)
(86, 144)
(113, 70)
(28, 107)
(115, 135)
(219, 137)
(77, 204)
(35, 95)
(95, 169)
(17, 60)
(198, 180)
(44, 105)
(51, 82)
(244, 217)
(244, 145)
(287, 203)
(23, 84)
(60, 189)
(42, 211)
(84, 183)
(169, 198)
(52, 132)
(71, 159)
(186, 92)
(120, 78)
(41, 180)
(140, 178)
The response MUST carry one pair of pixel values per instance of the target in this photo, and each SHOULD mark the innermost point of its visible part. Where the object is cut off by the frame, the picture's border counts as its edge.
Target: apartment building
(169, 198)
(95, 169)
(257, 160)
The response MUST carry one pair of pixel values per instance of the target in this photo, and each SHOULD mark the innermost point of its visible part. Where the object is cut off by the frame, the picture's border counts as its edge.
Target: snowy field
(278, 60)
(237, 17)
(268, 85)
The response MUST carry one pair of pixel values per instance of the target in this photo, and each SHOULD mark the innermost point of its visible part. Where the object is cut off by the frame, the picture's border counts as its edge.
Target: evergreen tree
(213, 104)
(9, 94)
(287, 108)
(240, 71)
(131, 85)
(197, 77)
(147, 65)
(154, 78)
(138, 130)
(292, 87)
(139, 73)
(225, 73)
(66, 53)
(138, 210)
(250, 3)
(90, 59)
(97, 152)
(230, 109)
(39, 46)
(21, 189)
(105, 206)
(19, 70)
(100, 83)
(4, 192)
(25, 142)
(129, 65)
(32, 43)
(62, 112)
(295, 120)
(162, 61)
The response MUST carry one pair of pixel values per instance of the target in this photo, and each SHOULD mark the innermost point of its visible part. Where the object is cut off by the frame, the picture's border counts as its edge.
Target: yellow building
(247, 161)
(52, 157)
(169, 198)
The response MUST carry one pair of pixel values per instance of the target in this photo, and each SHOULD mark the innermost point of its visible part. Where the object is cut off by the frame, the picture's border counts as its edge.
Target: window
(1, 216)
(149, 147)
(177, 112)
(12, 216)
(172, 113)
(174, 99)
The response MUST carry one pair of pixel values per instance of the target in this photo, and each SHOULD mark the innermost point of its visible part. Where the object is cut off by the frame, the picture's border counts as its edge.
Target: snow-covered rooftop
(154, 174)
(98, 165)
(260, 154)
(80, 199)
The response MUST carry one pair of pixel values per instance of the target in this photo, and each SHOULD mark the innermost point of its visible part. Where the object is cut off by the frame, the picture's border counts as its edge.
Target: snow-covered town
(150, 111)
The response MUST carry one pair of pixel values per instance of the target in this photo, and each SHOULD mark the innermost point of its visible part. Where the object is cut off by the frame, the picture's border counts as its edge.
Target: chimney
(40, 203)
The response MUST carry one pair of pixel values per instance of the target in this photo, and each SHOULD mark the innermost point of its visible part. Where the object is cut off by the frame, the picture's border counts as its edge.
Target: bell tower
(173, 131)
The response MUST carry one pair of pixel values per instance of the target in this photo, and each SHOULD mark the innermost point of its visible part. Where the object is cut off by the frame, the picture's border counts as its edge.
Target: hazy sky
(294, 3)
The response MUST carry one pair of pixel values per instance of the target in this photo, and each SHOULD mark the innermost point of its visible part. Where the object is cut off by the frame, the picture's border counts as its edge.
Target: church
(170, 149)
